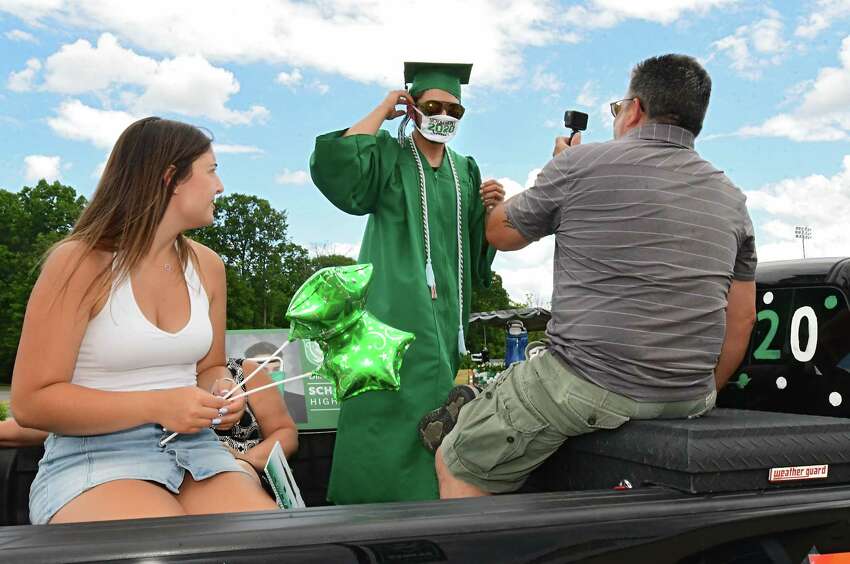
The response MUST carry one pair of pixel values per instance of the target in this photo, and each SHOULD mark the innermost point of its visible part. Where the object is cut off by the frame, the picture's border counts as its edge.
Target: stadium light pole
(803, 232)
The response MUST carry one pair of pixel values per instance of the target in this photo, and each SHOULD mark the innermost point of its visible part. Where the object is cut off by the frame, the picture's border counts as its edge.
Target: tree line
(264, 266)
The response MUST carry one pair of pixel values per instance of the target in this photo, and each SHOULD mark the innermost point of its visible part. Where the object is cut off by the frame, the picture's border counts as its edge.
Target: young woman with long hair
(122, 339)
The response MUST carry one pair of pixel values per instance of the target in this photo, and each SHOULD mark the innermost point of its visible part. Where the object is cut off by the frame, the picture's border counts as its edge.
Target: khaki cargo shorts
(527, 413)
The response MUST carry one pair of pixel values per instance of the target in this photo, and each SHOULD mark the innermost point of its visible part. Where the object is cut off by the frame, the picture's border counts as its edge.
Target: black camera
(576, 121)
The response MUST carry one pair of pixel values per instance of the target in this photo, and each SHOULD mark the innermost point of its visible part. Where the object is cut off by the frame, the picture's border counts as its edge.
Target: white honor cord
(229, 393)
(430, 280)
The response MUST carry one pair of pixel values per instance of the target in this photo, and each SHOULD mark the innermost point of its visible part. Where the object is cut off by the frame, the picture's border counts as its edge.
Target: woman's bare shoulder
(211, 268)
(71, 261)
(208, 258)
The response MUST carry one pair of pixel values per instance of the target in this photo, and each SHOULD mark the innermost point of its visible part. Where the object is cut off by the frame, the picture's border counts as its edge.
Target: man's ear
(635, 115)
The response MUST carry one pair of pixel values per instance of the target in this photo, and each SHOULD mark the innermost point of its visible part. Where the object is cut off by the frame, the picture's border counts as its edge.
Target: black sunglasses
(434, 107)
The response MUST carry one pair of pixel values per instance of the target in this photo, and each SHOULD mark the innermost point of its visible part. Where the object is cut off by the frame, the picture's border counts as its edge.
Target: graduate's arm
(386, 110)
(352, 167)
(482, 253)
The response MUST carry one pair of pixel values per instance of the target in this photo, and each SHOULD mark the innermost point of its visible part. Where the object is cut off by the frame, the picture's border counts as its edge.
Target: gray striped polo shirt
(648, 237)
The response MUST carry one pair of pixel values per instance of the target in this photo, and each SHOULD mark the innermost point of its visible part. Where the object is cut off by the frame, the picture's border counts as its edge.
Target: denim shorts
(72, 465)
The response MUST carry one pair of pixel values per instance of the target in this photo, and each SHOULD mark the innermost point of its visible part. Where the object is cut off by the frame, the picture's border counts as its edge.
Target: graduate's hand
(394, 99)
(562, 143)
(492, 194)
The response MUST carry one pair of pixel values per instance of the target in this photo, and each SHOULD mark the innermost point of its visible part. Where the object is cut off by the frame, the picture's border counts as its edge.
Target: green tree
(264, 268)
(320, 261)
(31, 221)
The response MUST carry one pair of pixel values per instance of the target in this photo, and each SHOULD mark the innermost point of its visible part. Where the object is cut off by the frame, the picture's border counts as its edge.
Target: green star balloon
(361, 352)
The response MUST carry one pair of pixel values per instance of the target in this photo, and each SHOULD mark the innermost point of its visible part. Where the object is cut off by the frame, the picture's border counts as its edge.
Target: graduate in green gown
(421, 282)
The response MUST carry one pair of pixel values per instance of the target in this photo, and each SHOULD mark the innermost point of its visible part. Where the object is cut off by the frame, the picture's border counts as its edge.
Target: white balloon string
(272, 385)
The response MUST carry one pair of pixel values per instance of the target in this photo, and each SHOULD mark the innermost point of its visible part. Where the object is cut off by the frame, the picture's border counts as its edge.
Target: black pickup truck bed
(732, 507)
(643, 525)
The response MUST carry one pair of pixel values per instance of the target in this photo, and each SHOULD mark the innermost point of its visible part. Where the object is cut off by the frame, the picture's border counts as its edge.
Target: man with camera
(653, 299)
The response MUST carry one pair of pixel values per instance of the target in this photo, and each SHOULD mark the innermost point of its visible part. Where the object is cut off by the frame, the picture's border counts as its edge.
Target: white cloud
(548, 81)
(31, 11)
(290, 79)
(192, 87)
(42, 166)
(825, 13)
(527, 273)
(20, 35)
(320, 87)
(754, 47)
(798, 127)
(818, 201)
(131, 86)
(375, 36)
(81, 67)
(21, 81)
(75, 120)
(588, 97)
(371, 39)
(187, 84)
(292, 177)
(608, 13)
(98, 170)
(823, 114)
(236, 149)
(294, 79)
(604, 111)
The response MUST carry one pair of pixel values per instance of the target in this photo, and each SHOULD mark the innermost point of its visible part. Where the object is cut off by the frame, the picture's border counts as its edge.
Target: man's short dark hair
(262, 348)
(673, 89)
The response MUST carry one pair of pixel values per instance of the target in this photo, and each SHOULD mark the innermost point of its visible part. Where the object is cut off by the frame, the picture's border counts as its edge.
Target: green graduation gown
(378, 455)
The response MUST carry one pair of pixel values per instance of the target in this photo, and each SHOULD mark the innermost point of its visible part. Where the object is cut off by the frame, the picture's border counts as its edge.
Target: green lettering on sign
(764, 352)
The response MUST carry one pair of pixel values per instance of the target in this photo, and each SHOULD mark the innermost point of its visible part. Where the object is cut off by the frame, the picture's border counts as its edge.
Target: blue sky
(267, 77)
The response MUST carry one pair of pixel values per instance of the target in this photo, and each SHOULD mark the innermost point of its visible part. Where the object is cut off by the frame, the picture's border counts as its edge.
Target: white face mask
(439, 128)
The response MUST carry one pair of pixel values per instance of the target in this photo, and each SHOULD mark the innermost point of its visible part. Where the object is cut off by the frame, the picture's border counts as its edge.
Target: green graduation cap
(445, 76)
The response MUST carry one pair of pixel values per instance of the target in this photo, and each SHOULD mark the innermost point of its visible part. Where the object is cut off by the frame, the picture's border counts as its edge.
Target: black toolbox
(724, 451)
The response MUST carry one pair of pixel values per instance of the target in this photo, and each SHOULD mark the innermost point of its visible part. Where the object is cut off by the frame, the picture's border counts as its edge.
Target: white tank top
(123, 351)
